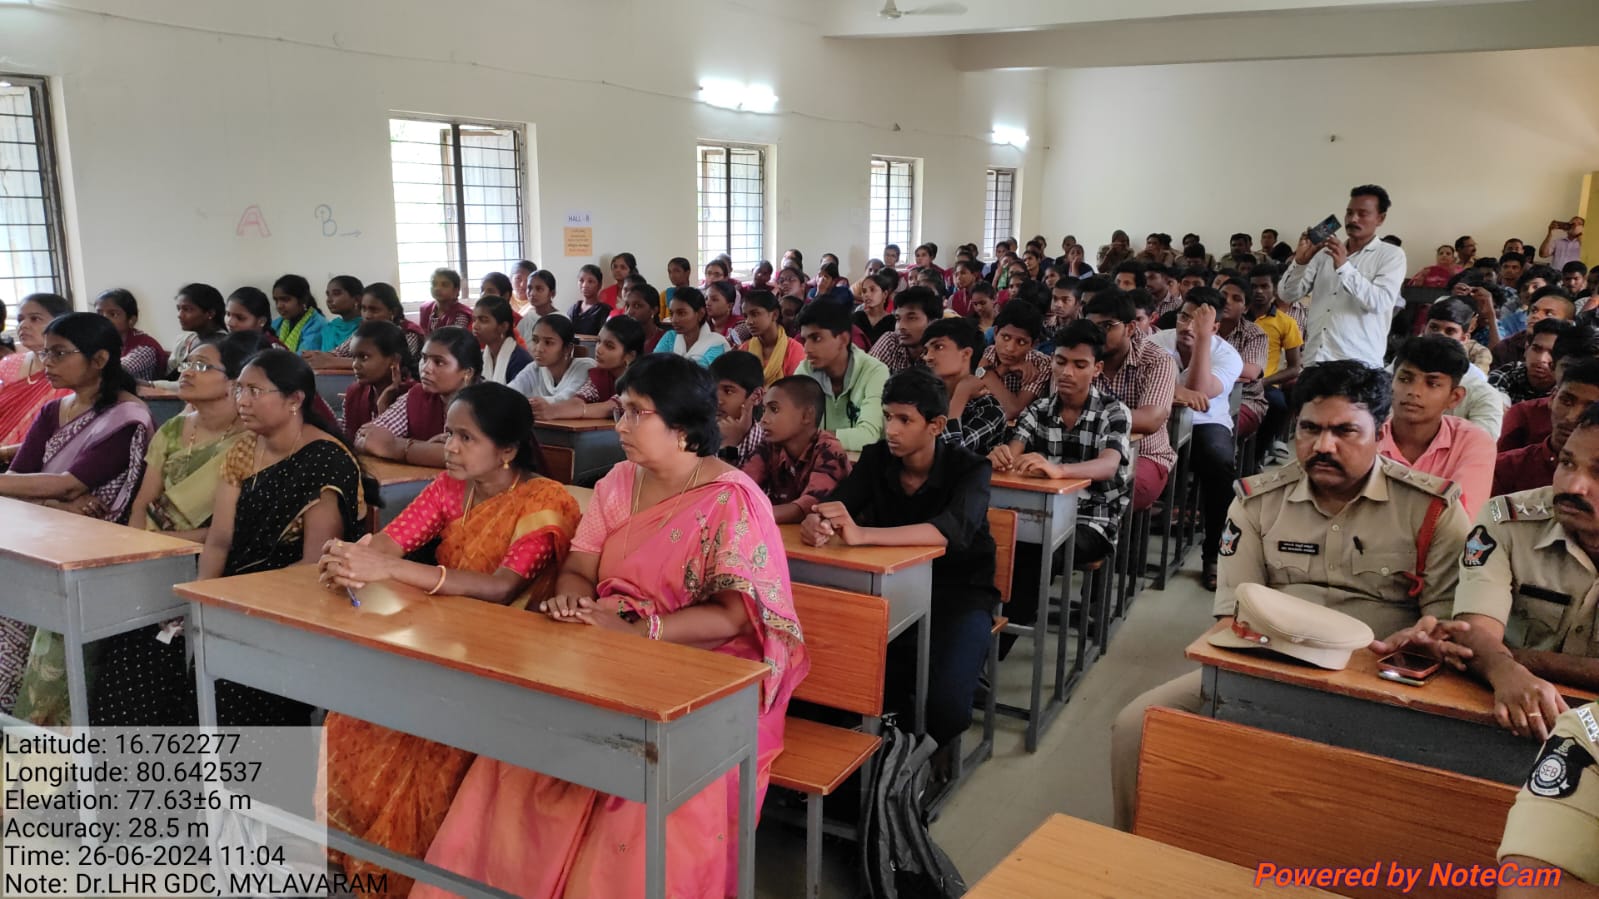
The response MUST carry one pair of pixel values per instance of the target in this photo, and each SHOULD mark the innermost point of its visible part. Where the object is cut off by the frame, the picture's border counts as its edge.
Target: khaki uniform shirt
(1556, 815)
(1520, 569)
(1357, 561)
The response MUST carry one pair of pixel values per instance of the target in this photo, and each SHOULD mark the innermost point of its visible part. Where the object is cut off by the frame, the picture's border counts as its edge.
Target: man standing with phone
(1565, 249)
(1353, 284)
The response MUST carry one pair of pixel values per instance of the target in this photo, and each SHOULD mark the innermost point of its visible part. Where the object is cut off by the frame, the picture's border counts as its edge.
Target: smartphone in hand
(1323, 232)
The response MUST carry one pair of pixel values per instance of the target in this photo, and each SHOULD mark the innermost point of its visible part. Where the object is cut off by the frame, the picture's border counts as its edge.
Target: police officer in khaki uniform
(1341, 527)
(1529, 587)
(1555, 820)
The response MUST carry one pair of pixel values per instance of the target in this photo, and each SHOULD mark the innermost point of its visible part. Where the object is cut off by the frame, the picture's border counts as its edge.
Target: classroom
(776, 448)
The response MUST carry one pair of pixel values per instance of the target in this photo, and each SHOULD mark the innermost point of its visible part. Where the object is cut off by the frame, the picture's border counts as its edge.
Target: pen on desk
(354, 600)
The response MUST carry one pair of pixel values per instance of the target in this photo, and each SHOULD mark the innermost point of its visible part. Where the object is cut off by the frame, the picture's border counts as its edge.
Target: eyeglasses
(56, 355)
(253, 392)
(196, 365)
(634, 415)
(1106, 326)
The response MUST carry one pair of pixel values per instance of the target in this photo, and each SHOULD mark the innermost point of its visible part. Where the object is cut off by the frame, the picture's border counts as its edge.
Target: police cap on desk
(1274, 620)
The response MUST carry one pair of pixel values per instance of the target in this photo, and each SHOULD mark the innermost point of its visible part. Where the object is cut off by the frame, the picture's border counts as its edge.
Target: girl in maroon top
(406, 431)
(720, 296)
(623, 266)
(384, 373)
(250, 310)
(142, 356)
(641, 305)
(588, 315)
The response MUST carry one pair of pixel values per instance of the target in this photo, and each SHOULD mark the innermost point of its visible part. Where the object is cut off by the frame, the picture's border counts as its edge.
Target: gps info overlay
(136, 812)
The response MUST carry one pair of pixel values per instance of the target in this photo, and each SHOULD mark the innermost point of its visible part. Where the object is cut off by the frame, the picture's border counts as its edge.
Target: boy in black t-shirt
(913, 489)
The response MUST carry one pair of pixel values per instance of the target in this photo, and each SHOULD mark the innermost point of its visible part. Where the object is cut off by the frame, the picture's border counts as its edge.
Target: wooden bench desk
(576, 446)
(87, 580)
(331, 384)
(1072, 857)
(398, 483)
(163, 402)
(902, 575)
(1046, 515)
(1448, 723)
(493, 680)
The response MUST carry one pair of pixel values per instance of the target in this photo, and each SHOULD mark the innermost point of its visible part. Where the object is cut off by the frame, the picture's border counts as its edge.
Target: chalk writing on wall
(252, 223)
(330, 225)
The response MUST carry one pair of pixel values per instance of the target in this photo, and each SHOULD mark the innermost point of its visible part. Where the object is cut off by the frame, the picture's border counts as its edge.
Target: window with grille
(32, 241)
(999, 210)
(893, 205)
(732, 204)
(457, 201)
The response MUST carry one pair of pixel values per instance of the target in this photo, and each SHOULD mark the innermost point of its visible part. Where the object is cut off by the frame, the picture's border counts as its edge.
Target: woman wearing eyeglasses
(84, 454)
(184, 464)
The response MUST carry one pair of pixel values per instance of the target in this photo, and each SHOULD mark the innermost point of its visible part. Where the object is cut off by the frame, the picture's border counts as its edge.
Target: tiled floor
(1008, 797)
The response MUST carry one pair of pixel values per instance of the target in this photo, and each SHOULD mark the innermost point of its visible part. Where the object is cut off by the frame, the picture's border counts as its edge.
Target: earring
(682, 443)
(505, 463)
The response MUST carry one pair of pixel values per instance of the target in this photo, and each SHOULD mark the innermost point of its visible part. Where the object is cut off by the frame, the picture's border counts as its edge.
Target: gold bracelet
(443, 572)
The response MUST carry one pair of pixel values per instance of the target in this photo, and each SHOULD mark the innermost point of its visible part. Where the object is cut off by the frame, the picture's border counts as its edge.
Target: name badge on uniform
(1544, 593)
(1303, 549)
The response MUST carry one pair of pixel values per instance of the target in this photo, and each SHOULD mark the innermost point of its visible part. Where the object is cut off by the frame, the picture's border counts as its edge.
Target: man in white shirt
(1353, 285)
(1208, 366)
(1566, 249)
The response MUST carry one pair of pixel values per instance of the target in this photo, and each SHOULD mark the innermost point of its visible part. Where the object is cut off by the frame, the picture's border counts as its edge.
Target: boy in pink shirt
(1420, 433)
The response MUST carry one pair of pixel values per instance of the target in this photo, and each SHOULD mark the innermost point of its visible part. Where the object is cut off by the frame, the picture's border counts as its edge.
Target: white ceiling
(922, 18)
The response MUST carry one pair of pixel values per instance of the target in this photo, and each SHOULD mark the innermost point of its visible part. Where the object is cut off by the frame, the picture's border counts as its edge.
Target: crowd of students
(741, 406)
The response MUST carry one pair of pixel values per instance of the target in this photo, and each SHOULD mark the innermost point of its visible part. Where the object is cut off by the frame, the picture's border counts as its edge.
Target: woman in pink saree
(676, 545)
(24, 389)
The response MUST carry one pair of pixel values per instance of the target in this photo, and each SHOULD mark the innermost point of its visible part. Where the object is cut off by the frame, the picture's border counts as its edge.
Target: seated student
(1483, 405)
(288, 486)
(983, 312)
(780, 354)
(852, 380)
(412, 430)
(1208, 366)
(1526, 587)
(621, 344)
(1251, 343)
(679, 271)
(873, 317)
(555, 373)
(1527, 422)
(1339, 482)
(143, 357)
(914, 309)
(384, 372)
(1284, 340)
(1533, 466)
(1547, 303)
(739, 386)
(541, 302)
(1454, 318)
(250, 310)
(504, 529)
(445, 310)
(799, 464)
(639, 303)
(914, 489)
(1574, 278)
(299, 322)
(1534, 375)
(589, 313)
(503, 358)
(691, 335)
(380, 303)
(830, 286)
(720, 298)
(1065, 307)
(1144, 377)
(534, 835)
(1427, 373)
(343, 296)
(1014, 372)
(967, 274)
(975, 420)
(201, 313)
(623, 266)
(1078, 431)
(789, 307)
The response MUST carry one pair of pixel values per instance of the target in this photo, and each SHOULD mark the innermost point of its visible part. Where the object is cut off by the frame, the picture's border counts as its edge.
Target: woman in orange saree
(676, 545)
(503, 531)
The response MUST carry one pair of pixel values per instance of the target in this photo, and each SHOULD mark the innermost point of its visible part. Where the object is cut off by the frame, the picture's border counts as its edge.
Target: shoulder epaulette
(1267, 481)
(1401, 473)
(1527, 505)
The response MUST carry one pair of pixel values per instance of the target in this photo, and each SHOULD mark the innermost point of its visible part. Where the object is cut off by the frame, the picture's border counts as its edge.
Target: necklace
(260, 450)
(33, 378)
(640, 473)
(470, 506)
(194, 435)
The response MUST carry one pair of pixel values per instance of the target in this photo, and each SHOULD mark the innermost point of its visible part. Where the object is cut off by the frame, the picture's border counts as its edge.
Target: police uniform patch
(1295, 546)
(1229, 539)
(1585, 715)
(1558, 769)
(1479, 546)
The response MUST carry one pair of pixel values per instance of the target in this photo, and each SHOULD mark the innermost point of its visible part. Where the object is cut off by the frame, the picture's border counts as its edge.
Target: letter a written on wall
(252, 223)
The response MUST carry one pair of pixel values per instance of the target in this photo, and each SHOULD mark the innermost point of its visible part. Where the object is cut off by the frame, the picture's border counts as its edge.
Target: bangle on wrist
(443, 573)
(653, 629)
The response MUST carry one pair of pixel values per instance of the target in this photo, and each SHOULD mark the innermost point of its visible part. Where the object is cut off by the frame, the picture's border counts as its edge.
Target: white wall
(176, 115)
(1490, 144)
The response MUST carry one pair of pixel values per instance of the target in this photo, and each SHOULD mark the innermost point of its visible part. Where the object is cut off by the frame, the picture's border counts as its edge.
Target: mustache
(1573, 501)
(1323, 459)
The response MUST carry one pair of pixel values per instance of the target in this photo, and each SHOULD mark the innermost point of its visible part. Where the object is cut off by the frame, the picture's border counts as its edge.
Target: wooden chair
(1250, 796)
(1002, 525)
(846, 637)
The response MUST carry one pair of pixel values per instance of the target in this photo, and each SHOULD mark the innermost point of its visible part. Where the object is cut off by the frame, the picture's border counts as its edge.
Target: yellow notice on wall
(578, 241)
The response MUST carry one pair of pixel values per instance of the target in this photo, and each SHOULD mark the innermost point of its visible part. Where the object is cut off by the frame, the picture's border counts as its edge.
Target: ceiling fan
(892, 11)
